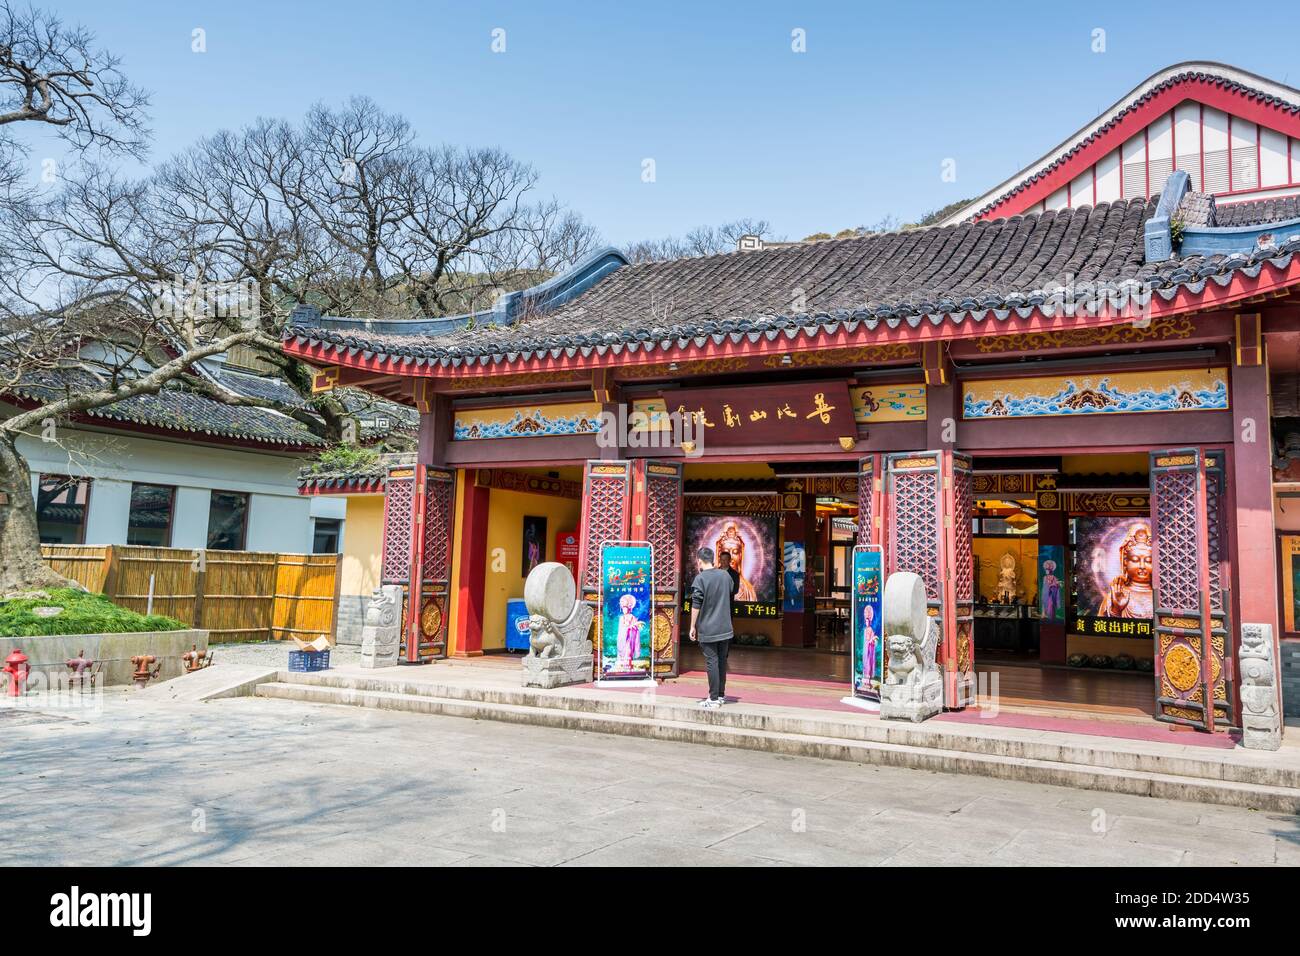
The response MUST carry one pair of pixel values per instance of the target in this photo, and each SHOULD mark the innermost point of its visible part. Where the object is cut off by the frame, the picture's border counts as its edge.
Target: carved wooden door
(1188, 670)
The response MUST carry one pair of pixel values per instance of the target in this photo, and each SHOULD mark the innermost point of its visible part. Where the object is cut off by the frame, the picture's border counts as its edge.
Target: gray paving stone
(287, 783)
(645, 851)
(538, 842)
(1243, 846)
(1048, 848)
(816, 846)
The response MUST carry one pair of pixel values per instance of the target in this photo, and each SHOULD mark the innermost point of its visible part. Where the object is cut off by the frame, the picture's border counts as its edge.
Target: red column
(471, 547)
(1252, 486)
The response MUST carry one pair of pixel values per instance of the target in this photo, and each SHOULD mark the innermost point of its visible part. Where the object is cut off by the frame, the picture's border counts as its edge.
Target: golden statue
(733, 545)
(1130, 593)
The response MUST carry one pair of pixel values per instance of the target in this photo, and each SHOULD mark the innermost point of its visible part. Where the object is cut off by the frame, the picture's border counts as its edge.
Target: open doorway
(791, 529)
(1063, 580)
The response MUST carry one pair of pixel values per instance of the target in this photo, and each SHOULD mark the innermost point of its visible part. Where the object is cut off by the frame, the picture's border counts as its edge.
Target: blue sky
(854, 129)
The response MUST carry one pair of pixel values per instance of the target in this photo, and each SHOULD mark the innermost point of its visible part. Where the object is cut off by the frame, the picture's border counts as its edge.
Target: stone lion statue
(910, 658)
(544, 640)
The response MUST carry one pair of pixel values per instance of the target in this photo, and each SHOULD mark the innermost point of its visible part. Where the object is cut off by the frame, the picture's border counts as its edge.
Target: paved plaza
(251, 781)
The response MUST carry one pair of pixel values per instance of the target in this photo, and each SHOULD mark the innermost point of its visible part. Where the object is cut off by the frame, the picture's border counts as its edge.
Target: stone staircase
(1264, 781)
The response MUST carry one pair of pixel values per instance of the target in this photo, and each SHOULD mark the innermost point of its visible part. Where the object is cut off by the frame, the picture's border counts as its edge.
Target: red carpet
(825, 696)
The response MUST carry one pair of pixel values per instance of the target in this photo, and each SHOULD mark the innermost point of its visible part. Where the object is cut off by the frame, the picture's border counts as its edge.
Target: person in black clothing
(711, 594)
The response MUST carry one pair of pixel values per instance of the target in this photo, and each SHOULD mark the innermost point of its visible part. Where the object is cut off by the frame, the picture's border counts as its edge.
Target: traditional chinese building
(1056, 413)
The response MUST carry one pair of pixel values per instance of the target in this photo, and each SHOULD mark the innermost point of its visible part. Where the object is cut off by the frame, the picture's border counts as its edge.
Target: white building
(178, 469)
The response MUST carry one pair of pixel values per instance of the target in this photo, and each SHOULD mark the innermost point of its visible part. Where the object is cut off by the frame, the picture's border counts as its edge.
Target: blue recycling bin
(516, 625)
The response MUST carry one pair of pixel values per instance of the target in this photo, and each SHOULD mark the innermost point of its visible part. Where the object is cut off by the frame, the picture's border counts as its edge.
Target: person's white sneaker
(720, 701)
(709, 704)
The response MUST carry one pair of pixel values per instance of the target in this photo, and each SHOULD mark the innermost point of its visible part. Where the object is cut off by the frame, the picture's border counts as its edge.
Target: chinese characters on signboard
(802, 413)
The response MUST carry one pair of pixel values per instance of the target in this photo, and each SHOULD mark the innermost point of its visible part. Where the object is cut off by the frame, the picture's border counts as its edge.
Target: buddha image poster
(750, 541)
(626, 618)
(868, 640)
(1112, 576)
(1051, 577)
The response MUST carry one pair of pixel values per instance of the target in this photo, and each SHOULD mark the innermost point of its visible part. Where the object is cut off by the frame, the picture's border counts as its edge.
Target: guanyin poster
(868, 642)
(626, 644)
(1051, 575)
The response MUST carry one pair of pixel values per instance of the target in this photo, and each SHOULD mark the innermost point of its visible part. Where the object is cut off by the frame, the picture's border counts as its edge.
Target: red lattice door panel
(435, 507)
(399, 497)
(606, 513)
(871, 524)
(1180, 581)
(959, 562)
(1222, 649)
(927, 509)
(657, 518)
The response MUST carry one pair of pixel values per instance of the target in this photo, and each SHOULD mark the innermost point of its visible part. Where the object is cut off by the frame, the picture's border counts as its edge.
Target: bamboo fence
(236, 595)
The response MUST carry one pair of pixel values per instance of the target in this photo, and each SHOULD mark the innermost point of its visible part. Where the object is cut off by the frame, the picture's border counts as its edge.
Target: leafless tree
(700, 241)
(343, 210)
(54, 76)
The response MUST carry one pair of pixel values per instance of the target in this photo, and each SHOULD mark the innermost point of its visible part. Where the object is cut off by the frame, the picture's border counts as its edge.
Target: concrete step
(715, 729)
(1108, 753)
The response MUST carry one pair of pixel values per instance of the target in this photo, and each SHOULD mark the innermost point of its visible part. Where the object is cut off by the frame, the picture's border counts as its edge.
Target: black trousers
(715, 662)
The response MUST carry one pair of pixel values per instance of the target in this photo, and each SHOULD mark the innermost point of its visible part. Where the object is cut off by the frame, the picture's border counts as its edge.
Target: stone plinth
(559, 642)
(1261, 717)
(381, 633)
(913, 687)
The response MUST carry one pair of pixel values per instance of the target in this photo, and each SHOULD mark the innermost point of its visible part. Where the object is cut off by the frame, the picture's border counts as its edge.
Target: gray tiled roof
(1258, 211)
(178, 410)
(369, 476)
(978, 271)
(1197, 209)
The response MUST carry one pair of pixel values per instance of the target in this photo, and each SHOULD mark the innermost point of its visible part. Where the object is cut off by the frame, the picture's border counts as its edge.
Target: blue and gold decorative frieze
(1119, 393)
(542, 421)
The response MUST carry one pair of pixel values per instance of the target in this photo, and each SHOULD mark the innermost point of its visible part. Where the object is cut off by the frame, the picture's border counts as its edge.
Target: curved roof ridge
(1251, 83)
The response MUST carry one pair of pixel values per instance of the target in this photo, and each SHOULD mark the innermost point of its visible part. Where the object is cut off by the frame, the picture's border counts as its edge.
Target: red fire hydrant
(81, 667)
(18, 669)
(142, 673)
(195, 659)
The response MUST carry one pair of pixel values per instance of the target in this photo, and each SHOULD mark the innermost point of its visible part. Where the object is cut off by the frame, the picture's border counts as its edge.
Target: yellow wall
(363, 542)
(505, 540)
(1127, 463)
(990, 552)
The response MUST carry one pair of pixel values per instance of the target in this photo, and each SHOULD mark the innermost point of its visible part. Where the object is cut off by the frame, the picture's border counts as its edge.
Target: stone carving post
(559, 626)
(381, 633)
(1261, 717)
(913, 686)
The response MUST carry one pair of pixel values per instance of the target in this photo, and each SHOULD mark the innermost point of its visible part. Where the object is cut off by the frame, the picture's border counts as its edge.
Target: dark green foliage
(83, 613)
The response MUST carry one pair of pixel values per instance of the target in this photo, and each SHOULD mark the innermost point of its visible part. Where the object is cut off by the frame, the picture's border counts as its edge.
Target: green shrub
(83, 613)
(343, 459)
